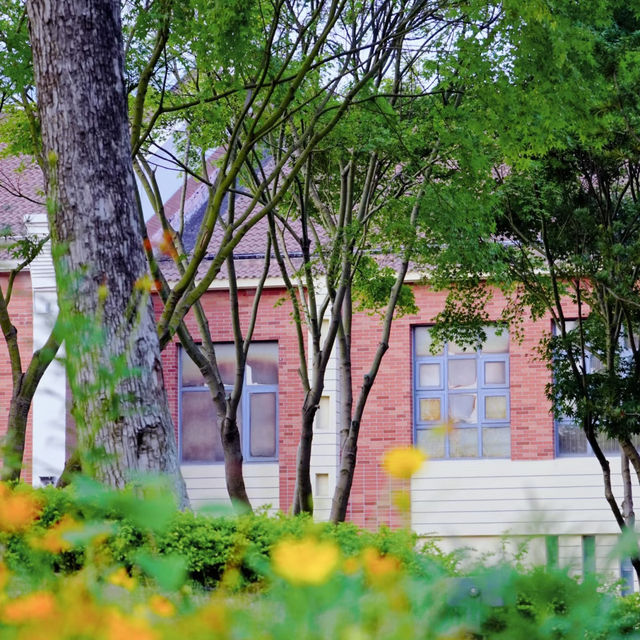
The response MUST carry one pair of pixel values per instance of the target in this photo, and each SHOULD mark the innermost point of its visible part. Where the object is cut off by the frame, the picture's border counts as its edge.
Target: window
(257, 413)
(570, 437)
(464, 388)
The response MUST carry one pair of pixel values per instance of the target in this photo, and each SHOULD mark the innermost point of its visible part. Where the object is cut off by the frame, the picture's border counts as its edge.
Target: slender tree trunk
(303, 495)
(24, 385)
(21, 401)
(232, 448)
(608, 492)
(82, 100)
(349, 441)
(229, 432)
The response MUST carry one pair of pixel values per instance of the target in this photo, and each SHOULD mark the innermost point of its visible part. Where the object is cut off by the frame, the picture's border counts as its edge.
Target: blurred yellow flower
(18, 509)
(167, 246)
(161, 606)
(306, 561)
(121, 578)
(403, 462)
(52, 540)
(379, 568)
(34, 606)
(119, 627)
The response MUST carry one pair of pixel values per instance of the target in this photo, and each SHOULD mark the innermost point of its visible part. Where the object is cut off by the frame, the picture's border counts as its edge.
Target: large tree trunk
(82, 101)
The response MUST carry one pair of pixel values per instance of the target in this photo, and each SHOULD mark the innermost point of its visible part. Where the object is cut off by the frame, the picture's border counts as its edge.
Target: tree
(79, 76)
(14, 79)
(564, 237)
(297, 87)
(24, 379)
(338, 214)
(360, 195)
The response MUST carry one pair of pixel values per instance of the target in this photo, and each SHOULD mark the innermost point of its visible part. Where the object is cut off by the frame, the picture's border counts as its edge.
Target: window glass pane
(608, 445)
(423, 341)
(495, 373)
(495, 407)
(429, 375)
(463, 443)
(226, 359)
(462, 374)
(456, 349)
(496, 343)
(263, 425)
(191, 376)
(200, 430)
(496, 442)
(262, 363)
(431, 441)
(571, 439)
(595, 364)
(430, 410)
(463, 407)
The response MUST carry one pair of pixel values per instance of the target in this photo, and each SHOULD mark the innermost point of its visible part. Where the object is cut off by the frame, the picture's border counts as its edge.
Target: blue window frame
(199, 423)
(461, 397)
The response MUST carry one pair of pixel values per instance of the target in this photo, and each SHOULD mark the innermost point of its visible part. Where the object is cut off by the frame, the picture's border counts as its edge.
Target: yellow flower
(306, 561)
(121, 578)
(167, 246)
(34, 606)
(53, 540)
(161, 606)
(18, 509)
(379, 568)
(118, 627)
(403, 462)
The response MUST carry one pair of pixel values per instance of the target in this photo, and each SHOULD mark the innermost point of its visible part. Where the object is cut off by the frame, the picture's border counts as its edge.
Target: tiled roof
(249, 252)
(21, 192)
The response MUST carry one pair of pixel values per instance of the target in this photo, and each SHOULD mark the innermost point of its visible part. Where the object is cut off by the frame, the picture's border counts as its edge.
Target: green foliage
(201, 577)
(144, 532)
(372, 286)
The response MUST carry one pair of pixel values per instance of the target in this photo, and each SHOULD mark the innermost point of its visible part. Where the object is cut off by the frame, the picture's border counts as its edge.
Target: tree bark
(96, 240)
(608, 493)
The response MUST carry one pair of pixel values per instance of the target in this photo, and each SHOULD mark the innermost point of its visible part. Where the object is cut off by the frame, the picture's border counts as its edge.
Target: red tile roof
(21, 192)
(250, 251)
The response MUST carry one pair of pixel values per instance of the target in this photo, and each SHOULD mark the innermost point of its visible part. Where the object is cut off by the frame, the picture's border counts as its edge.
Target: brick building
(506, 469)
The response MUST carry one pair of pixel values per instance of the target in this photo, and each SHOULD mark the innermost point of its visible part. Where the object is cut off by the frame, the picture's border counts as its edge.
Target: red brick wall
(21, 311)
(387, 420)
